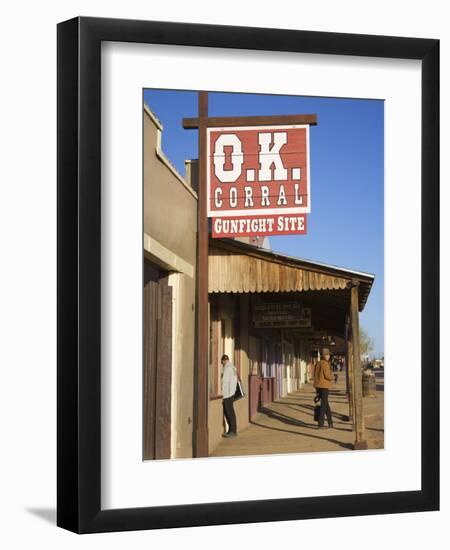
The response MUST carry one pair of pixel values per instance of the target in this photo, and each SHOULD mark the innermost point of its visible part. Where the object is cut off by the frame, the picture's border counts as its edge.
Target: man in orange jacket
(323, 378)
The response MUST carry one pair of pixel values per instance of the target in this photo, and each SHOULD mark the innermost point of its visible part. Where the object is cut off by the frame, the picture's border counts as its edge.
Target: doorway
(157, 375)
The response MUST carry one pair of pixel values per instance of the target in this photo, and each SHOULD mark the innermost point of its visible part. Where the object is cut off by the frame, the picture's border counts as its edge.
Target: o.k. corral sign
(258, 180)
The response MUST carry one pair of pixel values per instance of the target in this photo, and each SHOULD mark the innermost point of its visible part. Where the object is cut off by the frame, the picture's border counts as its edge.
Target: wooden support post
(201, 366)
(244, 336)
(348, 368)
(360, 442)
(351, 381)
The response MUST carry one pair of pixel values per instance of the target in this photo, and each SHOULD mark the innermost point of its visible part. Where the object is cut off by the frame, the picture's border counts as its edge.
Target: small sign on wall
(281, 315)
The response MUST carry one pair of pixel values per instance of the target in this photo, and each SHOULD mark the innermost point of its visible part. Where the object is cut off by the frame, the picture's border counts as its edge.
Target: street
(287, 426)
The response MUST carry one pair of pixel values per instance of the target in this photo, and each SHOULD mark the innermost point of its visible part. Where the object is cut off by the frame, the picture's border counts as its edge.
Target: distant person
(335, 369)
(229, 383)
(323, 380)
(310, 370)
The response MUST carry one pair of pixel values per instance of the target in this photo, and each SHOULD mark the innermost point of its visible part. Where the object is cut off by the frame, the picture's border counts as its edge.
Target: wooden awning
(240, 268)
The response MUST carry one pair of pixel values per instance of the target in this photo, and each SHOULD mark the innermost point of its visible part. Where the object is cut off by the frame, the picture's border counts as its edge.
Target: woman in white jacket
(229, 383)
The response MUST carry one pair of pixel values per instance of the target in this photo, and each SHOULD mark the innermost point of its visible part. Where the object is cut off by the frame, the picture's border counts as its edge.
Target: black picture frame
(79, 281)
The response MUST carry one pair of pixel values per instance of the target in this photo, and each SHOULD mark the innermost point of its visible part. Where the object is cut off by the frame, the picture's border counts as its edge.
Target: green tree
(366, 343)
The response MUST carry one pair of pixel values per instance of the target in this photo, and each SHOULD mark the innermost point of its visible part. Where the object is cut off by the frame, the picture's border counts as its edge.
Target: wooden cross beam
(270, 120)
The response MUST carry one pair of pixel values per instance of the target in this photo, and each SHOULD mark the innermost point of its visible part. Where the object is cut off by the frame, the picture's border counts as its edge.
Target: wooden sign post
(201, 370)
(270, 190)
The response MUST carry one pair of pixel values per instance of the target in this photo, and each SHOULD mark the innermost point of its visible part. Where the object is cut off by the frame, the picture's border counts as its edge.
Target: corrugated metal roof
(235, 266)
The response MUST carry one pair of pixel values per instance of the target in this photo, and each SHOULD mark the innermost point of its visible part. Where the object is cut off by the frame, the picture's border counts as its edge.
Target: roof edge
(271, 254)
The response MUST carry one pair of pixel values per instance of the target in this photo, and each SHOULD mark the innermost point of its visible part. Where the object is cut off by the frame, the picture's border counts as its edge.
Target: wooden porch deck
(287, 426)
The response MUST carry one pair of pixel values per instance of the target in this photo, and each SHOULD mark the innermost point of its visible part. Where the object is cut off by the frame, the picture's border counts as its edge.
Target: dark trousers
(324, 407)
(228, 411)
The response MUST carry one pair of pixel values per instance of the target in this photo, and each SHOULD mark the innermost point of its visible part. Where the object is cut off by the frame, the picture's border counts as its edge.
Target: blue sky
(346, 224)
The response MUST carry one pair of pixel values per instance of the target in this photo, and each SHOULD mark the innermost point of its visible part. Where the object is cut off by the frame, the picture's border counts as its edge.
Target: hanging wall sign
(281, 315)
(258, 180)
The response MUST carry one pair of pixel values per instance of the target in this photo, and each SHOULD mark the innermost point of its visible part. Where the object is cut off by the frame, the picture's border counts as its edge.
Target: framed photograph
(248, 275)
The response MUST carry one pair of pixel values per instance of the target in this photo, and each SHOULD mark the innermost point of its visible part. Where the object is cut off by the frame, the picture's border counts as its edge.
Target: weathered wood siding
(230, 272)
(157, 363)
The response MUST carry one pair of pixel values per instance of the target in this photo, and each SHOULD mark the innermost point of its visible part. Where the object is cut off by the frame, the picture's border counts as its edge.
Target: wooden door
(157, 379)
(254, 380)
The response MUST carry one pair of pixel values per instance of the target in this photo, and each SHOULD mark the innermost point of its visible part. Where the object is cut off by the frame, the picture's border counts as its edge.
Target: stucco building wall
(170, 221)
